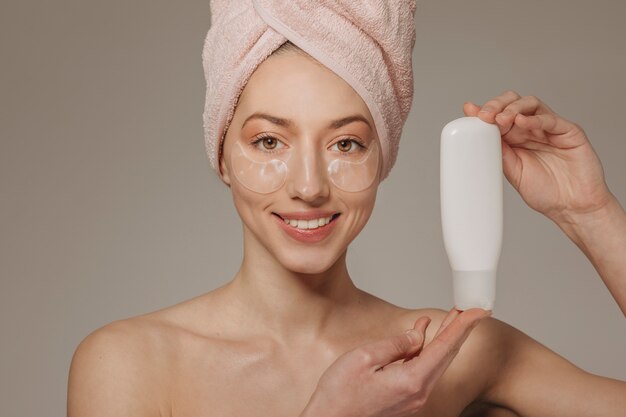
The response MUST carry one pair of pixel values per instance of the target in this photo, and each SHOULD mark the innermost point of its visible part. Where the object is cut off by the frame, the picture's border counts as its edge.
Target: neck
(292, 307)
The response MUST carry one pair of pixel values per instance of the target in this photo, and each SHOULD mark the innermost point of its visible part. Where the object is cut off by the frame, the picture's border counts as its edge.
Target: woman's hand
(370, 382)
(551, 163)
(546, 158)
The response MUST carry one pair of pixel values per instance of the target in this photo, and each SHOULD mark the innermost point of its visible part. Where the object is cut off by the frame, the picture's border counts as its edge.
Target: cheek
(360, 206)
(368, 207)
(249, 205)
(364, 199)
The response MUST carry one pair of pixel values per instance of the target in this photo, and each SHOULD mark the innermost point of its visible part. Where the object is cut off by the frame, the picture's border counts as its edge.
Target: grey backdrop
(109, 207)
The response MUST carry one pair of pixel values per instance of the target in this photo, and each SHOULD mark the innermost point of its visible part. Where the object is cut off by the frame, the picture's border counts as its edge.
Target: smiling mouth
(308, 224)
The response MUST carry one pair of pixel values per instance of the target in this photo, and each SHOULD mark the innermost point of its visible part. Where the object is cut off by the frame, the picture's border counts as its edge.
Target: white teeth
(308, 224)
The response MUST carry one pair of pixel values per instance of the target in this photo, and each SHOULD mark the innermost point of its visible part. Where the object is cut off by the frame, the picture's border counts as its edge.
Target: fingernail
(426, 320)
(412, 335)
(505, 113)
(486, 109)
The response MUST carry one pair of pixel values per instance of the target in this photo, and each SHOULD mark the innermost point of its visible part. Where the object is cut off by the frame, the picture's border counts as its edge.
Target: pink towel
(368, 43)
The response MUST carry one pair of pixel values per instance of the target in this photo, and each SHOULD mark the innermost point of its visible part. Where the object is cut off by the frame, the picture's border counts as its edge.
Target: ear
(225, 174)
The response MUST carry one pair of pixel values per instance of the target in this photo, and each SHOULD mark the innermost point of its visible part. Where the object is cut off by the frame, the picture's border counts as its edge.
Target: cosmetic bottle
(471, 208)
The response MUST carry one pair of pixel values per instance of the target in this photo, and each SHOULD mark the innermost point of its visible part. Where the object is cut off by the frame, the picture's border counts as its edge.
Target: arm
(534, 381)
(551, 163)
(601, 236)
(108, 378)
(553, 166)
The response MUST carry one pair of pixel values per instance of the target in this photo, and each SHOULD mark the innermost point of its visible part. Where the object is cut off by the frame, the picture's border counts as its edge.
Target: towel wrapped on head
(368, 43)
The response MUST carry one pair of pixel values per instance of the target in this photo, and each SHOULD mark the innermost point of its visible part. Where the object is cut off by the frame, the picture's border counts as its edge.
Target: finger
(390, 349)
(422, 323)
(548, 122)
(470, 109)
(494, 106)
(452, 314)
(527, 105)
(511, 165)
(420, 326)
(436, 356)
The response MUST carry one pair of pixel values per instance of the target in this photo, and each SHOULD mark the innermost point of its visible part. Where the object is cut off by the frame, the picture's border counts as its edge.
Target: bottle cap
(474, 289)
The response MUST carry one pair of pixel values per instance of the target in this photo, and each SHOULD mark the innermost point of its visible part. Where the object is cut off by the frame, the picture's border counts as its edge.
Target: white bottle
(471, 208)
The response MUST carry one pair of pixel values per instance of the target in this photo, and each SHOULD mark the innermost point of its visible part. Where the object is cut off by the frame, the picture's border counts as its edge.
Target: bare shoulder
(138, 343)
(130, 366)
(112, 372)
(123, 367)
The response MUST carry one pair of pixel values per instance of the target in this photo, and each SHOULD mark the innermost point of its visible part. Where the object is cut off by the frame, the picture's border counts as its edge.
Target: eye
(266, 143)
(348, 145)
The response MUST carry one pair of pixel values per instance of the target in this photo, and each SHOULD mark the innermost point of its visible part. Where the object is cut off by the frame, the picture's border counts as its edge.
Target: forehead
(298, 87)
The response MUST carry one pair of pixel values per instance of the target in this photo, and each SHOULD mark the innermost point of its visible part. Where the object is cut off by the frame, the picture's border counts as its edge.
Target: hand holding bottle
(371, 381)
(553, 166)
(546, 158)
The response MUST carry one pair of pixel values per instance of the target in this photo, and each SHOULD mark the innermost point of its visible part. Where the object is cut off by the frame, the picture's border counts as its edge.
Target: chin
(314, 262)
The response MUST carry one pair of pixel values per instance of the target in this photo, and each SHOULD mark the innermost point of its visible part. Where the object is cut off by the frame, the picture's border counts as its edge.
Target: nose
(307, 178)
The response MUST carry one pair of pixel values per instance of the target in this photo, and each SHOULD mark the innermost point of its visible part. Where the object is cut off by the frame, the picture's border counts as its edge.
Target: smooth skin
(291, 335)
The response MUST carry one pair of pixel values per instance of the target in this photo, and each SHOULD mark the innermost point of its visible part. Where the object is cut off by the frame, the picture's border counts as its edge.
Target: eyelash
(261, 137)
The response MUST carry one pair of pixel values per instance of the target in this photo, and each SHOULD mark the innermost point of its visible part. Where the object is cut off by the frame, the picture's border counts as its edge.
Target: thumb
(391, 349)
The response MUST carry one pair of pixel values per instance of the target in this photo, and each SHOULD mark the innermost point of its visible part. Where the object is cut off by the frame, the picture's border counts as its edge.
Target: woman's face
(294, 87)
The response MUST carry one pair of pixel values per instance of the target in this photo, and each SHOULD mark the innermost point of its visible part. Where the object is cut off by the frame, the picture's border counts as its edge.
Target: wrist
(578, 225)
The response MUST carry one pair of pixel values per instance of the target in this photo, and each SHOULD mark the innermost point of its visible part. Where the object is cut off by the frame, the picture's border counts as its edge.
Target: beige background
(109, 207)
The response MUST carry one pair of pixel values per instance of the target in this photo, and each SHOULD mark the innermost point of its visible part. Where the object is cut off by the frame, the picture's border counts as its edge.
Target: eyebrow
(335, 124)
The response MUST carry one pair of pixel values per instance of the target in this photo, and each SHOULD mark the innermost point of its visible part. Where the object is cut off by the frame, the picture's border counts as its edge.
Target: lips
(308, 235)
(306, 215)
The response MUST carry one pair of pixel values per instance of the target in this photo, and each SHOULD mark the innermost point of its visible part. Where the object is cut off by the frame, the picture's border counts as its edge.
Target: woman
(291, 320)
